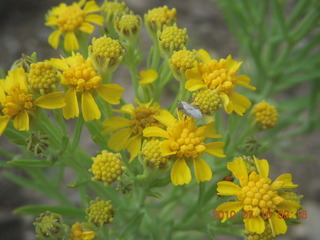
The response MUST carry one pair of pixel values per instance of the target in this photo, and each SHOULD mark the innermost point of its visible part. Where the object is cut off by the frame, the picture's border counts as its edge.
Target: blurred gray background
(23, 31)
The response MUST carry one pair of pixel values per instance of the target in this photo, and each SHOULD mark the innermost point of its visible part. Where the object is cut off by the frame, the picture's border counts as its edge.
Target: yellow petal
(240, 103)
(228, 188)
(51, 101)
(166, 118)
(166, 149)
(155, 132)
(193, 73)
(89, 107)
(283, 181)
(91, 7)
(204, 55)
(244, 80)
(254, 224)
(210, 131)
(262, 166)
(111, 93)
(278, 225)
(229, 206)
(232, 65)
(134, 146)
(71, 109)
(180, 172)
(115, 123)
(4, 120)
(86, 27)
(119, 140)
(194, 84)
(290, 206)
(228, 106)
(239, 170)
(148, 76)
(21, 121)
(70, 41)
(59, 63)
(54, 39)
(94, 18)
(202, 170)
(127, 109)
(215, 149)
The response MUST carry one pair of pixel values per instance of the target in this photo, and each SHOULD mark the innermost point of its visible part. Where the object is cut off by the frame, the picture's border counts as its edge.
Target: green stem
(77, 133)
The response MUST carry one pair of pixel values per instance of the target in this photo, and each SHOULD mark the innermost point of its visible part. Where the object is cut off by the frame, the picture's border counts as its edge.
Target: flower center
(71, 18)
(81, 75)
(17, 101)
(216, 74)
(258, 196)
(143, 117)
(186, 139)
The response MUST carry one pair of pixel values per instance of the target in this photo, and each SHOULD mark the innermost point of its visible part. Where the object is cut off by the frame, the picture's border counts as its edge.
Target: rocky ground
(23, 31)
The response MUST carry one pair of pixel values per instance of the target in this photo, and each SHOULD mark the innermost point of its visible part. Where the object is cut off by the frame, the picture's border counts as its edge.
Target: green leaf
(36, 210)
(78, 184)
(21, 181)
(30, 163)
(132, 226)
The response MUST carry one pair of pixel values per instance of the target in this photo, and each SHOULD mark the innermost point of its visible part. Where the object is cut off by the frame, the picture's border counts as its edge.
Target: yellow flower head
(113, 9)
(265, 115)
(128, 26)
(258, 195)
(100, 212)
(181, 61)
(184, 142)
(220, 75)
(107, 167)
(43, 78)
(157, 18)
(207, 100)
(18, 103)
(129, 131)
(79, 75)
(79, 231)
(148, 76)
(172, 38)
(49, 225)
(69, 20)
(106, 54)
(152, 154)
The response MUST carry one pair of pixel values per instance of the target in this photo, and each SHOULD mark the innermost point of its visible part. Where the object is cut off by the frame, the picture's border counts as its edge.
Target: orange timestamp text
(302, 214)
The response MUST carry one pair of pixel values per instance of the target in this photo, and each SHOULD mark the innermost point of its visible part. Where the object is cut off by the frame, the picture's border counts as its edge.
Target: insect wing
(189, 110)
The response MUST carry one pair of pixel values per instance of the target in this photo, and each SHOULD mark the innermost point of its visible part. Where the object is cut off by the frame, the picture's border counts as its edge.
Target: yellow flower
(79, 232)
(148, 76)
(221, 76)
(79, 75)
(181, 61)
(257, 195)
(172, 39)
(18, 103)
(70, 20)
(129, 131)
(100, 212)
(152, 154)
(157, 18)
(207, 100)
(265, 115)
(184, 142)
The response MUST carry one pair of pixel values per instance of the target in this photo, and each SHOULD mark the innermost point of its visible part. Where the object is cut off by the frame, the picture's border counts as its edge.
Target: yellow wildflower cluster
(265, 115)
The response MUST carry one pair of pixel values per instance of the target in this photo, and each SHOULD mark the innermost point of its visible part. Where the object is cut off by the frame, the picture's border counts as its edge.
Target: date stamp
(302, 214)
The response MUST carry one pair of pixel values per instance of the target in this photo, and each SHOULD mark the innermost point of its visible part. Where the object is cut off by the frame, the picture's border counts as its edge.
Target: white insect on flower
(189, 110)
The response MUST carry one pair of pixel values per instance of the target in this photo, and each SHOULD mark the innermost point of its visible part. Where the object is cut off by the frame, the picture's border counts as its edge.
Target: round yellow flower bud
(43, 78)
(110, 10)
(106, 54)
(172, 39)
(265, 115)
(152, 154)
(100, 212)
(207, 100)
(107, 167)
(157, 18)
(128, 26)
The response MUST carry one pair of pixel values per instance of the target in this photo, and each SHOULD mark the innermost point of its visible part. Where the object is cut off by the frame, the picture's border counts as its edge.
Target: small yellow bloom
(79, 75)
(172, 39)
(128, 26)
(257, 195)
(152, 154)
(69, 20)
(181, 61)
(265, 114)
(79, 232)
(113, 9)
(220, 76)
(148, 76)
(100, 212)
(18, 103)
(129, 131)
(185, 142)
(49, 225)
(207, 100)
(107, 167)
(157, 18)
